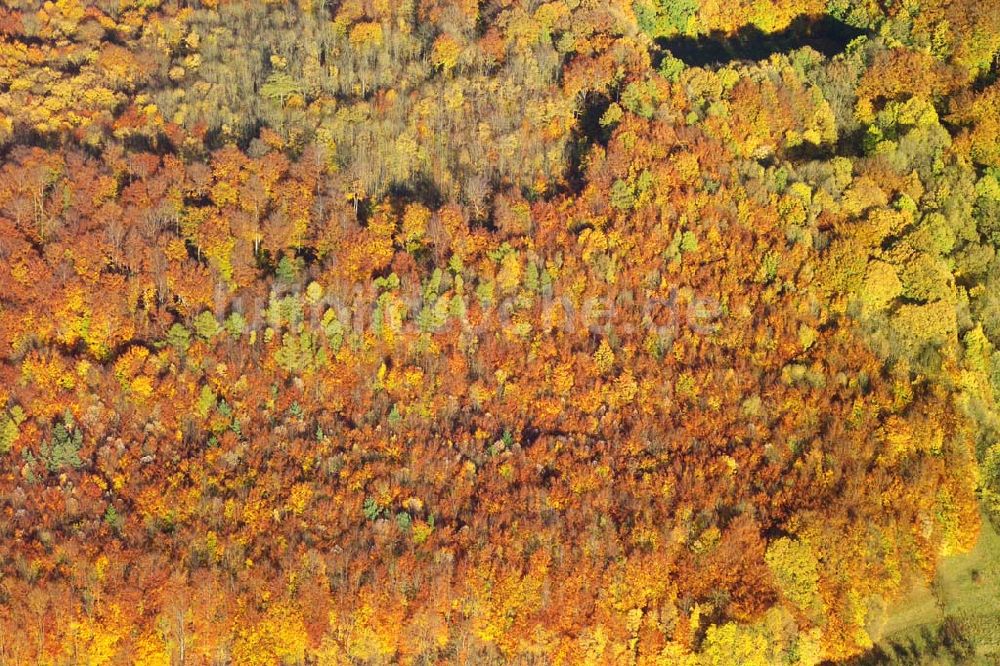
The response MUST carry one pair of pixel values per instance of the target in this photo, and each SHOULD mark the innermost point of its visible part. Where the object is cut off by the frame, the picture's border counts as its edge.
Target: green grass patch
(955, 620)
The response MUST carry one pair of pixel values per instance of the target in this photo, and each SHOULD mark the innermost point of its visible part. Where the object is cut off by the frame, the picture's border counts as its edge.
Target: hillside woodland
(445, 331)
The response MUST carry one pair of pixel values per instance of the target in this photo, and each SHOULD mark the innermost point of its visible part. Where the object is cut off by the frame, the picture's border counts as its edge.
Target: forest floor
(955, 620)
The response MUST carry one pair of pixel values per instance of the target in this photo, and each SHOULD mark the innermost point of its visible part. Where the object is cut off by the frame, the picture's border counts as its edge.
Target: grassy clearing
(956, 620)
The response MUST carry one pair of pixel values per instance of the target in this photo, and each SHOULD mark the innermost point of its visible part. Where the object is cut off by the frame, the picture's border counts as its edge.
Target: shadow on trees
(586, 134)
(948, 643)
(850, 144)
(823, 33)
(421, 189)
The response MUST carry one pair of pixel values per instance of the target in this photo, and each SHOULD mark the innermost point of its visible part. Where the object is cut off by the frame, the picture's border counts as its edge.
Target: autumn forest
(651, 332)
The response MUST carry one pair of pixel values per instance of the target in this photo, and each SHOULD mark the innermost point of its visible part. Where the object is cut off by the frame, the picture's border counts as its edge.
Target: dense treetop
(444, 331)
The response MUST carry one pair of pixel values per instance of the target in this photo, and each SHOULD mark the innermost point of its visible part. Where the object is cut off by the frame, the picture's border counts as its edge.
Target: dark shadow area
(823, 33)
(216, 139)
(420, 188)
(848, 145)
(948, 643)
(587, 133)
